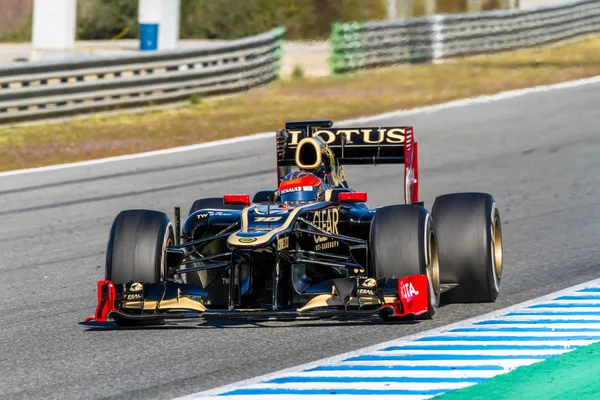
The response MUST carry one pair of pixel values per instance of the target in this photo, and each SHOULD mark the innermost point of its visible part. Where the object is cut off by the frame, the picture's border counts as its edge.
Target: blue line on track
(363, 392)
(468, 347)
(590, 290)
(566, 305)
(371, 379)
(447, 357)
(505, 338)
(528, 329)
(555, 313)
(536, 322)
(578, 298)
(406, 368)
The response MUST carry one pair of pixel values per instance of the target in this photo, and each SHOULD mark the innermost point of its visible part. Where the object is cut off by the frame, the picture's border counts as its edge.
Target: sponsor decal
(327, 245)
(326, 220)
(366, 292)
(408, 291)
(136, 287)
(247, 240)
(211, 213)
(283, 243)
(369, 282)
(296, 189)
(366, 287)
(368, 136)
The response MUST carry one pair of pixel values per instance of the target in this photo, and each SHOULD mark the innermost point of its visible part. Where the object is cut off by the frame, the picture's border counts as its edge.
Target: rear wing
(355, 146)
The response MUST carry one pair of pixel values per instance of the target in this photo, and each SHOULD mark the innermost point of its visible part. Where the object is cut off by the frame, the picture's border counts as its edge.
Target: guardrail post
(430, 7)
(437, 43)
(392, 10)
(474, 6)
(279, 33)
(335, 39)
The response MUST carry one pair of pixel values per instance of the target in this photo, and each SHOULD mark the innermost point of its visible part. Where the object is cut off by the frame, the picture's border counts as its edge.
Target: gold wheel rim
(434, 264)
(497, 247)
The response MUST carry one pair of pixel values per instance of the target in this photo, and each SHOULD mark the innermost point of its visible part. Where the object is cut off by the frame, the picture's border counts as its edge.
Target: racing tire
(403, 243)
(136, 250)
(469, 236)
(213, 202)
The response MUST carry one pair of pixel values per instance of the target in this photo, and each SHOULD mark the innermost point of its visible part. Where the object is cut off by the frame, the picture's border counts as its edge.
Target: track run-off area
(445, 359)
(535, 151)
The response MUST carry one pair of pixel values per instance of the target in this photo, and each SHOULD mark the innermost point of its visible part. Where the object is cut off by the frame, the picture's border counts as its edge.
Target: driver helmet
(299, 187)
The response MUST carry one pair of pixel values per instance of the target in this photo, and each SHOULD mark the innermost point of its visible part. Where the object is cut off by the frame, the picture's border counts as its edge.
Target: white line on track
(402, 374)
(419, 110)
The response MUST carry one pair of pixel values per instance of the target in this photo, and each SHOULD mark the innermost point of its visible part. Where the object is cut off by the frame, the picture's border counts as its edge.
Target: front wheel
(137, 249)
(403, 243)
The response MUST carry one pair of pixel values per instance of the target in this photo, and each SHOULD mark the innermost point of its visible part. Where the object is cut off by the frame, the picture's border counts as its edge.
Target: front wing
(170, 300)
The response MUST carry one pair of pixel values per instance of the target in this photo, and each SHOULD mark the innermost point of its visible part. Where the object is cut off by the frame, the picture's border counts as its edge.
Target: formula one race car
(311, 248)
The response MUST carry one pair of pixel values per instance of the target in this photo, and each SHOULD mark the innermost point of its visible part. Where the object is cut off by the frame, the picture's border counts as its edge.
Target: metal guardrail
(52, 89)
(359, 45)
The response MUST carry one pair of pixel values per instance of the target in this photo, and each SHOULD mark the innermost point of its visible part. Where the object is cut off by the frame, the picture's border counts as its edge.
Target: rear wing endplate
(356, 146)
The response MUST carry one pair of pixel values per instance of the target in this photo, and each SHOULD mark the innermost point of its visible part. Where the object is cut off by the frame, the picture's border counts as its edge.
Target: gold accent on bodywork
(310, 142)
(327, 220)
(370, 282)
(234, 239)
(283, 243)
(184, 303)
(392, 135)
(327, 300)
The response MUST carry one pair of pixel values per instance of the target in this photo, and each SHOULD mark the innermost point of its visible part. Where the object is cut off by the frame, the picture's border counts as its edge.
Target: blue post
(148, 36)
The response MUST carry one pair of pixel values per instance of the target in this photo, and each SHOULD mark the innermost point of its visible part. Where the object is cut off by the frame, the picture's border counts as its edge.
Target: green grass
(267, 109)
(572, 375)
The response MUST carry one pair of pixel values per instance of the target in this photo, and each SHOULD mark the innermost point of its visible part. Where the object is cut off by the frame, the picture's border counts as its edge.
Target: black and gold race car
(310, 248)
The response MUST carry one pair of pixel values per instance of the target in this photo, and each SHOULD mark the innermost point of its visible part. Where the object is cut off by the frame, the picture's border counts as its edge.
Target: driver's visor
(303, 195)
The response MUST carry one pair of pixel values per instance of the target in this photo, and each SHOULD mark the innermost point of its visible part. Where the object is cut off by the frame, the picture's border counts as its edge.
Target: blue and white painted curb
(441, 360)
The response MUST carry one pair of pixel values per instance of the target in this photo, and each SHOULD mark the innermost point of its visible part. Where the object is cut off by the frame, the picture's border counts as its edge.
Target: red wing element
(106, 301)
(236, 199)
(349, 197)
(411, 168)
(413, 292)
(413, 296)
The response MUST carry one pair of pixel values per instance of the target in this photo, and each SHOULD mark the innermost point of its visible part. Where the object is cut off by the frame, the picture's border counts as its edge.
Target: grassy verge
(267, 109)
(572, 375)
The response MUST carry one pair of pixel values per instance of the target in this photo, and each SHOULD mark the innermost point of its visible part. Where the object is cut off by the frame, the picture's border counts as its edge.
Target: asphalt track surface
(537, 154)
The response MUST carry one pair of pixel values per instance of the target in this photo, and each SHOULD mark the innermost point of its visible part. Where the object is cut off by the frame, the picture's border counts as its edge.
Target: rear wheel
(469, 236)
(137, 247)
(403, 243)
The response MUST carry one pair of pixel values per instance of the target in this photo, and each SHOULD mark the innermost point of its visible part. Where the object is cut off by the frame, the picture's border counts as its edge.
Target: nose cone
(248, 240)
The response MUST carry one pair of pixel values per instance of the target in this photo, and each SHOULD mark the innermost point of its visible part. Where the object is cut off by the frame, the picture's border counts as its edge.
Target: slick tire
(136, 250)
(469, 234)
(213, 202)
(137, 247)
(402, 243)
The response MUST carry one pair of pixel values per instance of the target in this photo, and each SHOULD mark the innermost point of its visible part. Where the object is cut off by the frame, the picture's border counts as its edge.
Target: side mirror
(352, 197)
(236, 199)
